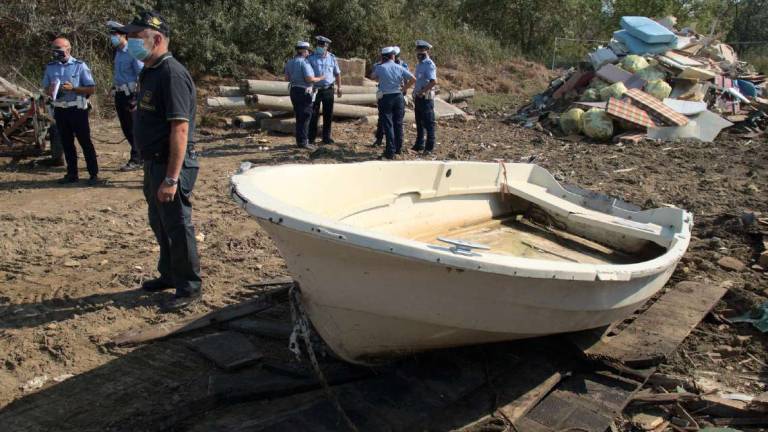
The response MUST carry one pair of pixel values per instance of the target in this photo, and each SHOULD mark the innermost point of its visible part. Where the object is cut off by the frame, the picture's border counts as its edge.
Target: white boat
(399, 257)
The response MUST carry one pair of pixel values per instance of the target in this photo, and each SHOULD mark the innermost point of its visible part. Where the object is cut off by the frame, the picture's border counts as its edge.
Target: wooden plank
(228, 350)
(516, 410)
(657, 332)
(261, 327)
(159, 331)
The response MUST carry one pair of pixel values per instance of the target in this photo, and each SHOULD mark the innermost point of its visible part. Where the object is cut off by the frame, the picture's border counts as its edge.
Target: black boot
(156, 285)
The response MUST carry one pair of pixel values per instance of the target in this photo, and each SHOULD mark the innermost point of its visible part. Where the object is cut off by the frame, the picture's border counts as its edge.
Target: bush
(230, 37)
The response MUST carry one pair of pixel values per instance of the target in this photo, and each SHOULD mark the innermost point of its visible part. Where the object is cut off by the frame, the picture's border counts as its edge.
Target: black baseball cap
(148, 20)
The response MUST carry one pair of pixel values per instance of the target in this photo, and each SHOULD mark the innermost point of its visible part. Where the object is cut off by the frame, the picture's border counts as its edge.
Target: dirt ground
(72, 257)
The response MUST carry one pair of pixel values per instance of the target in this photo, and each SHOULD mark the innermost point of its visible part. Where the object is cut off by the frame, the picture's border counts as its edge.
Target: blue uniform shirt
(391, 76)
(297, 68)
(127, 68)
(425, 72)
(325, 66)
(73, 71)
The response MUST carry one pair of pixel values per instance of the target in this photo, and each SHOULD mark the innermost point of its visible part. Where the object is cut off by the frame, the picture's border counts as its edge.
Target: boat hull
(348, 293)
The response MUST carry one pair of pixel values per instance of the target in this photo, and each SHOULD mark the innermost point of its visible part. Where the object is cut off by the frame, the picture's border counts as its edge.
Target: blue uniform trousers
(70, 123)
(302, 109)
(425, 122)
(391, 113)
(171, 222)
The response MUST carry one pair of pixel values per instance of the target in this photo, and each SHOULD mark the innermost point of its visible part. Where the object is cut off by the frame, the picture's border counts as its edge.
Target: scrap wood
(515, 410)
(656, 333)
(664, 398)
(162, 330)
(736, 421)
(630, 137)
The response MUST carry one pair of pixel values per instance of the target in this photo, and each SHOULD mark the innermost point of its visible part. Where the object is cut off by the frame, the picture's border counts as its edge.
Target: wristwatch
(170, 181)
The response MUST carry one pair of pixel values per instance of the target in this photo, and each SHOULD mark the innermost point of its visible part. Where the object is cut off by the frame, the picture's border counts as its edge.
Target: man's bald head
(61, 45)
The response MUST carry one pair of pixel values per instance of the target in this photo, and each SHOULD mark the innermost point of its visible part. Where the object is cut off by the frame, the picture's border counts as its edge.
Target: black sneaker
(156, 285)
(386, 157)
(67, 179)
(329, 141)
(180, 302)
(376, 143)
(94, 181)
(417, 148)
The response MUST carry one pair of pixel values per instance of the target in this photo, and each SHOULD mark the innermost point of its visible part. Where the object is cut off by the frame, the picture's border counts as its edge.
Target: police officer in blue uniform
(394, 81)
(424, 98)
(379, 129)
(124, 83)
(301, 76)
(164, 131)
(69, 82)
(325, 66)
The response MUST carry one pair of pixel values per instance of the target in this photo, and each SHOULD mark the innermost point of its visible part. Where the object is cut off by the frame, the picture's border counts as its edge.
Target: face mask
(59, 55)
(319, 50)
(137, 49)
(115, 40)
(421, 56)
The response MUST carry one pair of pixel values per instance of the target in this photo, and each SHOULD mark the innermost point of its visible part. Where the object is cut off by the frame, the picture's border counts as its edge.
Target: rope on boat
(505, 184)
(302, 329)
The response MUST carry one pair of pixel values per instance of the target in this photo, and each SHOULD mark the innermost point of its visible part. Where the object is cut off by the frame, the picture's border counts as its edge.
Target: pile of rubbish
(23, 121)
(654, 81)
(269, 108)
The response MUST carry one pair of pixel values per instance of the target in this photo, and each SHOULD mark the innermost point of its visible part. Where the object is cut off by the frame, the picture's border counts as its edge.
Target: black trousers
(325, 97)
(425, 122)
(391, 113)
(171, 222)
(73, 122)
(302, 109)
(125, 115)
(57, 152)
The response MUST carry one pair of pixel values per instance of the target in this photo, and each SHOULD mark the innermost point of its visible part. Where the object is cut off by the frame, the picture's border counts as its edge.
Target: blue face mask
(137, 49)
(115, 40)
(319, 50)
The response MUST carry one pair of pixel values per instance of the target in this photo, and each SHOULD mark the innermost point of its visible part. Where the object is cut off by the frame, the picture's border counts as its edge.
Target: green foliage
(27, 28)
(231, 36)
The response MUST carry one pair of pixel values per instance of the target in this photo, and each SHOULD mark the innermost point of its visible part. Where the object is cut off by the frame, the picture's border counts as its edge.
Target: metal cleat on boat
(463, 247)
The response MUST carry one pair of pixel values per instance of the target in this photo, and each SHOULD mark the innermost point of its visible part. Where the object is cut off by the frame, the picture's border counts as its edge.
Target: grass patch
(493, 102)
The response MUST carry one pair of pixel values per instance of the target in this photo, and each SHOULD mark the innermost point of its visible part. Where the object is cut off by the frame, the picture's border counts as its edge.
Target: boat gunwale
(279, 212)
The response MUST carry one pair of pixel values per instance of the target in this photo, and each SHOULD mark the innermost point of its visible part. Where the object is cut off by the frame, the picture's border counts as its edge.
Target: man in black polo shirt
(164, 128)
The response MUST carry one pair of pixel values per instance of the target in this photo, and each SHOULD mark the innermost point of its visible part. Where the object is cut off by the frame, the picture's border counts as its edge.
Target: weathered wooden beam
(284, 104)
(280, 88)
(159, 331)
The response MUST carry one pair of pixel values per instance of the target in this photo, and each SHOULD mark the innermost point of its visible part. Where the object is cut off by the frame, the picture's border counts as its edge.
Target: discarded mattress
(398, 257)
(647, 30)
(637, 46)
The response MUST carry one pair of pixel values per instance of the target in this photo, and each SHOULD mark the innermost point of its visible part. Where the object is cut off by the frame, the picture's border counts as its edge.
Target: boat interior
(512, 209)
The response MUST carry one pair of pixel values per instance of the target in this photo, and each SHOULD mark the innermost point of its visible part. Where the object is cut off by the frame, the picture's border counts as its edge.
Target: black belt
(324, 88)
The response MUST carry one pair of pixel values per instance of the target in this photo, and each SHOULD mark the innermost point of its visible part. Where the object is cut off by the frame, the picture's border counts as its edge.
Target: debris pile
(269, 107)
(23, 121)
(654, 81)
